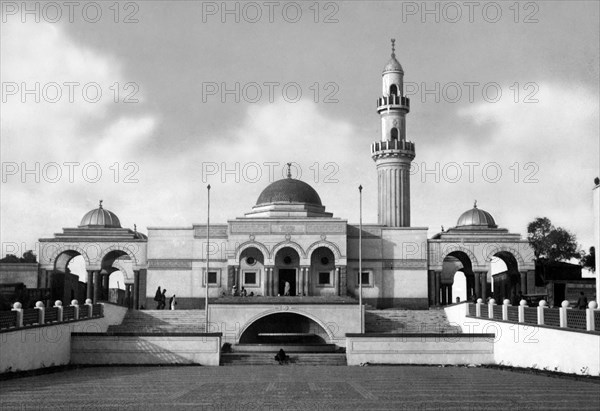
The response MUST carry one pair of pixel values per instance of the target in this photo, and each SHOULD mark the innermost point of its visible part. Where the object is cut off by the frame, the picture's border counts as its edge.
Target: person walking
(172, 302)
(163, 300)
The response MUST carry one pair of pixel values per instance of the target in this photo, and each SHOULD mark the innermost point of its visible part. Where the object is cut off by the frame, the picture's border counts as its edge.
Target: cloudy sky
(145, 103)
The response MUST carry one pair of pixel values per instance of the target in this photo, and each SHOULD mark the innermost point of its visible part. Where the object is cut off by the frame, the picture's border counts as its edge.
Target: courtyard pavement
(298, 388)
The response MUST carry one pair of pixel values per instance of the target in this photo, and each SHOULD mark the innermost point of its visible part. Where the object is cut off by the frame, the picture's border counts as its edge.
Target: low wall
(449, 349)
(124, 348)
(42, 346)
(531, 346)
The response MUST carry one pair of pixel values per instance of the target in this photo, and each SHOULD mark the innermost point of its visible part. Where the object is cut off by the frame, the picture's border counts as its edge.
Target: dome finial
(289, 172)
(475, 204)
(100, 204)
(393, 48)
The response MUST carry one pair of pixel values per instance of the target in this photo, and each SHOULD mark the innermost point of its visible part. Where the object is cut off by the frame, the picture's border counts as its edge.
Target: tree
(10, 258)
(589, 260)
(551, 243)
(29, 257)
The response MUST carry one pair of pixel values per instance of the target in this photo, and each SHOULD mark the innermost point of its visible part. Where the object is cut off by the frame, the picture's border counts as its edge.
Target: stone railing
(392, 145)
(19, 317)
(563, 317)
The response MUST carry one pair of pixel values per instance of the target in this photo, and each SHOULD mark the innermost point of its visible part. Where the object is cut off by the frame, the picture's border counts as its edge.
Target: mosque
(289, 237)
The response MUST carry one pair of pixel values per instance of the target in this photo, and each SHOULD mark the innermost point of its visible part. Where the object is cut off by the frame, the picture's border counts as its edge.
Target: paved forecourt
(294, 388)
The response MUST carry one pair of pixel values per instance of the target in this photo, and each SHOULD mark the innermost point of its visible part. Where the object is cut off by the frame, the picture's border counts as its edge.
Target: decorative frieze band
(170, 264)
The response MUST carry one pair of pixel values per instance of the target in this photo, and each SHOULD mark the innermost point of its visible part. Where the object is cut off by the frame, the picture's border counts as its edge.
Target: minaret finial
(475, 204)
(289, 172)
(100, 205)
(135, 228)
(393, 48)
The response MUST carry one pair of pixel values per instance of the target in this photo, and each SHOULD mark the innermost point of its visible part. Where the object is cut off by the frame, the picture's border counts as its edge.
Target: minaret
(393, 154)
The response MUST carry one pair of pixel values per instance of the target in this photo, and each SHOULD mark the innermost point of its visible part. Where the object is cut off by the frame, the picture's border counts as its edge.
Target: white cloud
(35, 134)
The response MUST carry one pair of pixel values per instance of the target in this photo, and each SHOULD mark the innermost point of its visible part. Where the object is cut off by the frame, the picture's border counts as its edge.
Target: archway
(459, 287)
(507, 284)
(112, 286)
(284, 328)
(287, 262)
(252, 264)
(453, 263)
(393, 90)
(69, 280)
(322, 280)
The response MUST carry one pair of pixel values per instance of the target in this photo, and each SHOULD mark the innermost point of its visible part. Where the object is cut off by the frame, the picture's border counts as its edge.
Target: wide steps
(161, 321)
(296, 359)
(408, 321)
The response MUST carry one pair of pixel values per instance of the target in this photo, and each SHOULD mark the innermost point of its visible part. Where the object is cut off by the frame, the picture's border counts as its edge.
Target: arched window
(393, 90)
(394, 133)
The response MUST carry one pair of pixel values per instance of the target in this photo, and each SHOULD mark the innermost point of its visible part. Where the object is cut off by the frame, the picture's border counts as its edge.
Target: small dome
(289, 190)
(393, 65)
(100, 217)
(476, 217)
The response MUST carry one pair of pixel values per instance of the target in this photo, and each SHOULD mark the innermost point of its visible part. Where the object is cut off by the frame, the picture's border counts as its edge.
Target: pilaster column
(97, 286)
(307, 282)
(438, 277)
(483, 277)
(524, 282)
(266, 282)
(90, 284)
(338, 282)
(275, 282)
(476, 285)
(238, 278)
(136, 289)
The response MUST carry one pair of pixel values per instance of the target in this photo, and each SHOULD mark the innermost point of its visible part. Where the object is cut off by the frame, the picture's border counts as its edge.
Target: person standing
(286, 290)
(158, 297)
(582, 301)
(172, 302)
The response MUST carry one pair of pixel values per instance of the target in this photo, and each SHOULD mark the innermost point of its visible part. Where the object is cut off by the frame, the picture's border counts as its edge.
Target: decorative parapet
(564, 317)
(19, 318)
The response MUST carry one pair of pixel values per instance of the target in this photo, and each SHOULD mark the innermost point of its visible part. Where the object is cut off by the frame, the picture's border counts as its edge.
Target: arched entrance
(322, 279)
(70, 279)
(287, 262)
(454, 263)
(507, 283)
(459, 287)
(284, 328)
(252, 271)
(112, 281)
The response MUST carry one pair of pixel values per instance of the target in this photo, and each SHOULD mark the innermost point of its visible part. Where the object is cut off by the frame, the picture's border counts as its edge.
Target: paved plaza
(298, 388)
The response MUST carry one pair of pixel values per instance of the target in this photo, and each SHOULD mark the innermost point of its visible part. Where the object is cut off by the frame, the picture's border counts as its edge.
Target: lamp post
(360, 307)
(207, 260)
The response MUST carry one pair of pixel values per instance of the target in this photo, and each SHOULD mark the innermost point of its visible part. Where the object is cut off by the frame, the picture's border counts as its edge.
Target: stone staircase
(161, 321)
(261, 358)
(407, 321)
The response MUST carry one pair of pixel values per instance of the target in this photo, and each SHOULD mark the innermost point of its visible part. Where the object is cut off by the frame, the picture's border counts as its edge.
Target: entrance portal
(289, 275)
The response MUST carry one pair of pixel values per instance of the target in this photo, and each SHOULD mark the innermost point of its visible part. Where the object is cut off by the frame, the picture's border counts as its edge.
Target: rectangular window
(212, 277)
(324, 278)
(366, 278)
(250, 278)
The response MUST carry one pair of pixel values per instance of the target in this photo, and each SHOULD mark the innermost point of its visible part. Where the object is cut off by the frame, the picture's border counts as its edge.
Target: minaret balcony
(393, 147)
(393, 102)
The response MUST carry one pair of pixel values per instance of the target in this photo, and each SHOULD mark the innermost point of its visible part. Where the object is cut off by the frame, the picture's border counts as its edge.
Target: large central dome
(289, 190)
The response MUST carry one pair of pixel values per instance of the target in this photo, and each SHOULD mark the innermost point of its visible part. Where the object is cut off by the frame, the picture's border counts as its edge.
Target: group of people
(241, 293)
(161, 299)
